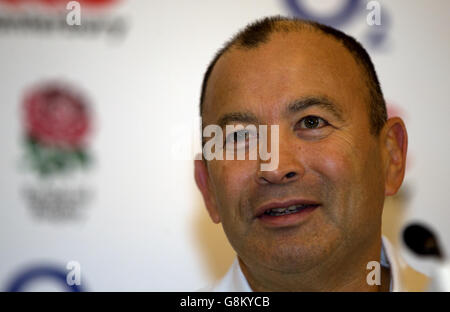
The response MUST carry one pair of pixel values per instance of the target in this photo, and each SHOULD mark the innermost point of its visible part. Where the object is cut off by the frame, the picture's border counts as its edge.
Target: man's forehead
(281, 47)
(286, 63)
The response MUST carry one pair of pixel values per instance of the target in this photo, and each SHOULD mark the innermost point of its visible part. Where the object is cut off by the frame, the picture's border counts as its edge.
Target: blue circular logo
(41, 272)
(338, 18)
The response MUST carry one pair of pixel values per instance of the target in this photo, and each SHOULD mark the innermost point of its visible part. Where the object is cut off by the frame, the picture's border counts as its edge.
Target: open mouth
(286, 213)
(275, 212)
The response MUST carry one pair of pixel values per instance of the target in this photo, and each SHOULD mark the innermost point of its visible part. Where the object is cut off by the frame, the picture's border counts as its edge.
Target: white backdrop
(142, 225)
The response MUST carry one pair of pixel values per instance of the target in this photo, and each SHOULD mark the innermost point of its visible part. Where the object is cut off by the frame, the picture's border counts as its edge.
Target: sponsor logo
(58, 17)
(59, 3)
(376, 18)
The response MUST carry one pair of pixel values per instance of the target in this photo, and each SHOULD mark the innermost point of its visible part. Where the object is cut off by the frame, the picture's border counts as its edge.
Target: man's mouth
(285, 213)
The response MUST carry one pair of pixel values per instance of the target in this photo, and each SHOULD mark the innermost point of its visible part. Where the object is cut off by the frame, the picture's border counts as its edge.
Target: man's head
(338, 153)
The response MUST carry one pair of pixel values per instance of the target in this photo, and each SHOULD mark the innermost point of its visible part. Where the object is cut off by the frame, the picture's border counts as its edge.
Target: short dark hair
(258, 32)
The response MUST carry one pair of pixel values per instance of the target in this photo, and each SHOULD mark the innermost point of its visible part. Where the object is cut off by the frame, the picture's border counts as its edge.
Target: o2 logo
(374, 35)
(68, 280)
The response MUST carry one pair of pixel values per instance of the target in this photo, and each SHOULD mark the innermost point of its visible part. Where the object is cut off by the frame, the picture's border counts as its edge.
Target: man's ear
(395, 145)
(202, 180)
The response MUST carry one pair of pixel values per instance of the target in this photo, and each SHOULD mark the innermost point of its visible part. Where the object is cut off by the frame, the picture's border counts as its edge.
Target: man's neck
(338, 274)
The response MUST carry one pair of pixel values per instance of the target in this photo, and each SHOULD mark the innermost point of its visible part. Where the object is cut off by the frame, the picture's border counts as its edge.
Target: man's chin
(286, 258)
(285, 252)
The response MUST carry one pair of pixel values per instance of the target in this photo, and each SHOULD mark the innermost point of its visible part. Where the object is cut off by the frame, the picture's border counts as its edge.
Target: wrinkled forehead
(288, 65)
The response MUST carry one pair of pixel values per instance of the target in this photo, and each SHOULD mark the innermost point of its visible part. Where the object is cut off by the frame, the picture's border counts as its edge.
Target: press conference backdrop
(112, 205)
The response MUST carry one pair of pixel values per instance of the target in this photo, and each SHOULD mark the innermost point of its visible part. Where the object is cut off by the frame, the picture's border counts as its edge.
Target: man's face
(330, 159)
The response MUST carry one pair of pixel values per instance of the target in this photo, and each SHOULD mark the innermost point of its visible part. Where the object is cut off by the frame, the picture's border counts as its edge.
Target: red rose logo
(56, 123)
(56, 117)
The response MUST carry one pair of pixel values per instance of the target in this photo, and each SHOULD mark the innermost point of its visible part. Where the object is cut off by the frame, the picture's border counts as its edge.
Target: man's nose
(290, 167)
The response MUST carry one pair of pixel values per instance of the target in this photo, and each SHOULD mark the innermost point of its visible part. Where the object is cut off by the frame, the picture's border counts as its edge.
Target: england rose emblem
(57, 123)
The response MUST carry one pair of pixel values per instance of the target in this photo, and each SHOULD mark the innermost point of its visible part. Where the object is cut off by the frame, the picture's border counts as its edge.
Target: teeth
(283, 211)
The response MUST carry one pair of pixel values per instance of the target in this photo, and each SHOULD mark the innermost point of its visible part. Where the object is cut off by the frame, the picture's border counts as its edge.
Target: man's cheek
(332, 163)
(333, 167)
(231, 178)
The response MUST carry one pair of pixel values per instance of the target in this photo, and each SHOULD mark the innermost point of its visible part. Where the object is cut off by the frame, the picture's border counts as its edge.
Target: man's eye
(312, 122)
(239, 139)
(238, 136)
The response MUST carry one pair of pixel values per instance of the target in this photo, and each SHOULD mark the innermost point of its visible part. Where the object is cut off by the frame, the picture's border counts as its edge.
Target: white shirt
(235, 281)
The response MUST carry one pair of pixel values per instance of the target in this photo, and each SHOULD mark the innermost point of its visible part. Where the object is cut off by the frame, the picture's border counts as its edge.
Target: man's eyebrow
(321, 101)
(237, 117)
